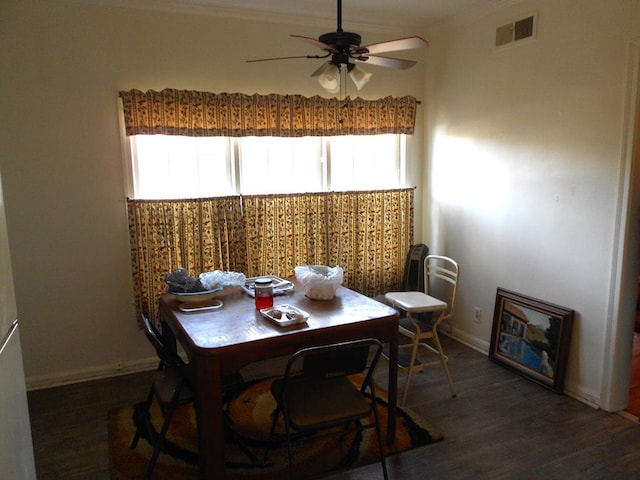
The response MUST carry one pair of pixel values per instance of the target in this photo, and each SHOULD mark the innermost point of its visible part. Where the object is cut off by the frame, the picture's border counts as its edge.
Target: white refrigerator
(16, 447)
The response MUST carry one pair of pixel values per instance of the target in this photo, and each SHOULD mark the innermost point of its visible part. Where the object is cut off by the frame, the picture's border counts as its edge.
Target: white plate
(280, 286)
(284, 315)
(196, 297)
(194, 307)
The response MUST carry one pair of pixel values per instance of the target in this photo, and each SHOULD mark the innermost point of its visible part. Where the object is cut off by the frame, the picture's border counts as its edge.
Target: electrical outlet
(478, 314)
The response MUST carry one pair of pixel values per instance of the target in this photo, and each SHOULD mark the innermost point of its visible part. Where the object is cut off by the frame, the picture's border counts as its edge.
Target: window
(367, 162)
(165, 166)
(280, 165)
(172, 167)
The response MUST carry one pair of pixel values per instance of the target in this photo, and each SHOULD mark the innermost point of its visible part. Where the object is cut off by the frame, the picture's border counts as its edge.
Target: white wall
(526, 149)
(63, 64)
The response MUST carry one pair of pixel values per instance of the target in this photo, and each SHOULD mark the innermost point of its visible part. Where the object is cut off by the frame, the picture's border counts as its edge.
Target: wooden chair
(425, 311)
(320, 397)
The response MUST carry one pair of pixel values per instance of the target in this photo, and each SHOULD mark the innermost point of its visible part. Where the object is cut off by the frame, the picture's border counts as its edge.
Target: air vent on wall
(515, 31)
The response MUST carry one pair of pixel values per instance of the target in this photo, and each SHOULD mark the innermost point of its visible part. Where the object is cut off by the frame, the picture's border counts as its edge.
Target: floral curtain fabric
(200, 235)
(367, 233)
(192, 113)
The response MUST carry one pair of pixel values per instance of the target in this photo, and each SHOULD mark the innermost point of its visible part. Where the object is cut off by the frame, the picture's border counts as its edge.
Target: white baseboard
(86, 374)
(106, 371)
(470, 341)
(574, 391)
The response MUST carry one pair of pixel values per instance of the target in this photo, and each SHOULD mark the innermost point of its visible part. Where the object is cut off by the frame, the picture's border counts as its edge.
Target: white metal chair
(425, 312)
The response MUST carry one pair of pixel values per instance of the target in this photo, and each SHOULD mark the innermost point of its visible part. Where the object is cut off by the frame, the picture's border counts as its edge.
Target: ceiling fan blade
(316, 42)
(286, 58)
(395, 45)
(386, 62)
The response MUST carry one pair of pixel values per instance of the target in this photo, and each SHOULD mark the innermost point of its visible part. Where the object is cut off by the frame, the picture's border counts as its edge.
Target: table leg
(209, 417)
(168, 338)
(392, 387)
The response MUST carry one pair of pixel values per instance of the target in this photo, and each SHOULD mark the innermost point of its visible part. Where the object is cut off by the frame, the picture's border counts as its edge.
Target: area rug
(249, 410)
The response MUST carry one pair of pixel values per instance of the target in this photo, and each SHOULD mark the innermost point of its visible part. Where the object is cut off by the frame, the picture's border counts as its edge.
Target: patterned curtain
(284, 231)
(367, 233)
(200, 235)
(191, 113)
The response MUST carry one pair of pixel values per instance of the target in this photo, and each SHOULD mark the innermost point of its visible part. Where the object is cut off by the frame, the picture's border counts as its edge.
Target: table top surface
(238, 322)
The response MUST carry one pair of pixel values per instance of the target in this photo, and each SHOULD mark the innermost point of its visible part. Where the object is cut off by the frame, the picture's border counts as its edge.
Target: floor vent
(515, 31)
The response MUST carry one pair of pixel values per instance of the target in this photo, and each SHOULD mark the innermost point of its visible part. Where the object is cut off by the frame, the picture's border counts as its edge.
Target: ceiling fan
(343, 51)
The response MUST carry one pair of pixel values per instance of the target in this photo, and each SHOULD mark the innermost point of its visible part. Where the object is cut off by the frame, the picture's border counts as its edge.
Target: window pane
(280, 165)
(365, 162)
(167, 166)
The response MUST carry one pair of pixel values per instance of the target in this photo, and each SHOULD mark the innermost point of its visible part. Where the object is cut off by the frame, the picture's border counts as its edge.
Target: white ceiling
(409, 14)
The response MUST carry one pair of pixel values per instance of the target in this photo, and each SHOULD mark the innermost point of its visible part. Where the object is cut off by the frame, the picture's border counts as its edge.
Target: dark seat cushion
(316, 404)
(167, 382)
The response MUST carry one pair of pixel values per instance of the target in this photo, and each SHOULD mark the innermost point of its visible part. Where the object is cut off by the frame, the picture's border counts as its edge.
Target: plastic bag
(221, 279)
(319, 282)
(181, 282)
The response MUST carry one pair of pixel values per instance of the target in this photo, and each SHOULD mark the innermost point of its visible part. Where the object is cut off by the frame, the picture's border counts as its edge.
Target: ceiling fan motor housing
(343, 45)
(341, 41)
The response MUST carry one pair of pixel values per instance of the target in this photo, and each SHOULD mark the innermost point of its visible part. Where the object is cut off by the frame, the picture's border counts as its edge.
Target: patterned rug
(250, 411)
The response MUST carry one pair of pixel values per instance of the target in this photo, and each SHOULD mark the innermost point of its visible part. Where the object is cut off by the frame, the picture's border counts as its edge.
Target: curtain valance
(200, 114)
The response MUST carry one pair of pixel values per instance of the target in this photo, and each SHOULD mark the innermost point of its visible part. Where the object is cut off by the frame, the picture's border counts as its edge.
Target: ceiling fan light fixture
(329, 78)
(359, 76)
(341, 49)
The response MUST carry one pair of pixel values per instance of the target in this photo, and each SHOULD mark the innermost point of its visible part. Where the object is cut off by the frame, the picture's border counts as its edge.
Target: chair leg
(158, 445)
(444, 362)
(136, 436)
(272, 430)
(378, 432)
(289, 449)
(231, 431)
(412, 361)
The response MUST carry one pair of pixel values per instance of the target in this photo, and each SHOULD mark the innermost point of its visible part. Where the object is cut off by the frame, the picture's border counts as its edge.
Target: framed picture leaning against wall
(531, 337)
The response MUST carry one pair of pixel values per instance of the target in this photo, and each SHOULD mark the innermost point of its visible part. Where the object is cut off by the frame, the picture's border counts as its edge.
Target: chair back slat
(338, 359)
(441, 280)
(168, 358)
(334, 362)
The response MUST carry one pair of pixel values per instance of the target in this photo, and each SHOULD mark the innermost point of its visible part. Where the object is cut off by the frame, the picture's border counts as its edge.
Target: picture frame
(531, 337)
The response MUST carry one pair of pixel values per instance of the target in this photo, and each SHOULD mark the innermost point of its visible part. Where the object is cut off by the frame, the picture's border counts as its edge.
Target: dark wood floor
(500, 426)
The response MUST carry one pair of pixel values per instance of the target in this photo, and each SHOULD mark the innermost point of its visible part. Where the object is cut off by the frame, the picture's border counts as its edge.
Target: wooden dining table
(221, 341)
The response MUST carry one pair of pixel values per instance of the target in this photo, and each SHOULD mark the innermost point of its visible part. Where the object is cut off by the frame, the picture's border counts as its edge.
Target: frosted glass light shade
(329, 78)
(359, 76)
